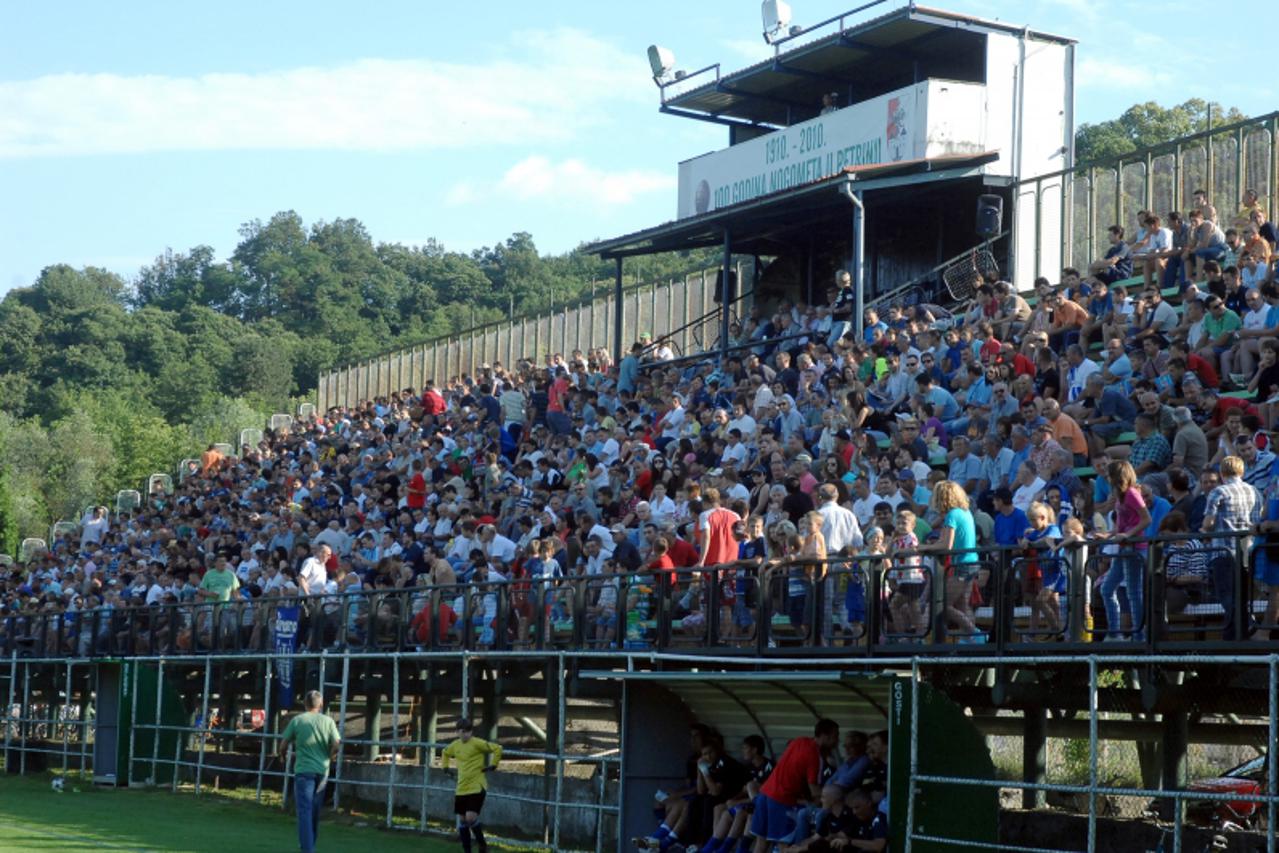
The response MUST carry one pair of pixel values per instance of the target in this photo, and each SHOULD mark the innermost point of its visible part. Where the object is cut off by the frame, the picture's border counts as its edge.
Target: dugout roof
(778, 705)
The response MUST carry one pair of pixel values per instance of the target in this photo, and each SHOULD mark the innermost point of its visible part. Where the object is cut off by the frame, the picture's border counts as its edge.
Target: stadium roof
(859, 61)
(761, 224)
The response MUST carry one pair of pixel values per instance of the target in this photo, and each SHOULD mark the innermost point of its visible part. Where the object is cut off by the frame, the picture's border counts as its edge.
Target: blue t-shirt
(1009, 528)
(965, 538)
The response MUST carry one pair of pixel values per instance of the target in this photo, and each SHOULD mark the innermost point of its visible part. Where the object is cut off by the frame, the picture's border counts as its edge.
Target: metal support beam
(618, 313)
(858, 262)
(725, 296)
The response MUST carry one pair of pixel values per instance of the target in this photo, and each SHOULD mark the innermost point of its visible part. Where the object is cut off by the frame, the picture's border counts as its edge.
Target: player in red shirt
(796, 776)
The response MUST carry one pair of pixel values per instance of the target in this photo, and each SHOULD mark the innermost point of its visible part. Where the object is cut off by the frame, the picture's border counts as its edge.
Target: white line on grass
(83, 839)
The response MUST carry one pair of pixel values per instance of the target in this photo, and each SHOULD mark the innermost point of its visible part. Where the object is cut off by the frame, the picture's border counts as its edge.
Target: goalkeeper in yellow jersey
(474, 758)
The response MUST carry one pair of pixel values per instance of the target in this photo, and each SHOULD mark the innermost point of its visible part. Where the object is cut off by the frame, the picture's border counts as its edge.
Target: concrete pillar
(1034, 756)
(1176, 738)
(373, 723)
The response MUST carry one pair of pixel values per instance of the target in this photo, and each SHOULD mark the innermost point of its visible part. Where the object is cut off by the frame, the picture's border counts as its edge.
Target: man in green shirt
(315, 740)
(1221, 330)
(216, 587)
(219, 582)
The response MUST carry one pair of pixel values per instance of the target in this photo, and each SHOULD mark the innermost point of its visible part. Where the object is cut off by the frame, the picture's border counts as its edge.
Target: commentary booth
(889, 146)
(658, 707)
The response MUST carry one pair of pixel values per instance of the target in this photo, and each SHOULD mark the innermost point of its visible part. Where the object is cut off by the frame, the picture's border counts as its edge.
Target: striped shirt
(1188, 557)
(1233, 505)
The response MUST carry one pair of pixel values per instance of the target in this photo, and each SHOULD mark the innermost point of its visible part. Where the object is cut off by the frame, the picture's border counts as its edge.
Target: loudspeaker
(719, 285)
(990, 214)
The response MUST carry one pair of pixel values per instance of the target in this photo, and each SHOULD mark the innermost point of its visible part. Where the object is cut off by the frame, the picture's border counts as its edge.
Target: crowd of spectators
(1135, 397)
(822, 794)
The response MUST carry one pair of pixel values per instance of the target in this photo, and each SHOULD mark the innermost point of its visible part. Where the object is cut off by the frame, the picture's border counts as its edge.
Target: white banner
(924, 120)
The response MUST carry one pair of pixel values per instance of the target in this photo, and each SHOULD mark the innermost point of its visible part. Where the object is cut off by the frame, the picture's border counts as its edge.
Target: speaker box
(990, 215)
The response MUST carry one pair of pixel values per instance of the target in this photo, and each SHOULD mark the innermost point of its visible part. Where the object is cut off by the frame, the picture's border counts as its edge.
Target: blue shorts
(771, 821)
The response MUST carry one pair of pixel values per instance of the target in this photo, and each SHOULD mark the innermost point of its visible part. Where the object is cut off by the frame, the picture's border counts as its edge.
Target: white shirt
(736, 453)
(500, 548)
(93, 530)
(864, 509)
(313, 575)
(840, 528)
(1160, 241)
(1025, 495)
(335, 539)
(595, 565)
(672, 422)
(746, 424)
(763, 399)
(1077, 378)
(1256, 319)
(662, 509)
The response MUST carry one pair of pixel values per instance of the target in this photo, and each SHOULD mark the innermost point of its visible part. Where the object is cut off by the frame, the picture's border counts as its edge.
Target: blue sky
(126, 128)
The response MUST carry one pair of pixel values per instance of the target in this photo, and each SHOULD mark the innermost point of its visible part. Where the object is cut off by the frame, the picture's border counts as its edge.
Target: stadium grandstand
(909, 501)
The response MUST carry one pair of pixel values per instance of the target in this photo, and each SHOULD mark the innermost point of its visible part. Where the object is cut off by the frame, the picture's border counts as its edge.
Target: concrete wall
(513, 807)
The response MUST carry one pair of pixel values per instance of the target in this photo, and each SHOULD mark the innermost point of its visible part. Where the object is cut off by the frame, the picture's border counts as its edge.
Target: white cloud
(1111, 74)
(538, 178)
(545, 86)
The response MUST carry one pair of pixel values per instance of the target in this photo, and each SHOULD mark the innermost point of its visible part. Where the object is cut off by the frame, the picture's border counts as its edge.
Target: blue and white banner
(286, 643)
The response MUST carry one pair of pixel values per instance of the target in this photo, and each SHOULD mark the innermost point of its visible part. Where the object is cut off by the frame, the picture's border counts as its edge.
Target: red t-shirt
(799, 767)
(722, 547)
(1023, 366)
(1203, 368)
(1224, 404)
(433, 403)
(663, 565)
(555, 395)
(683, 554)
(417, 491)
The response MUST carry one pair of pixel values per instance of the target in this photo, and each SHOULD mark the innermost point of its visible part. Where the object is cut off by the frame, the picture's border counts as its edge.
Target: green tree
(1146, 125)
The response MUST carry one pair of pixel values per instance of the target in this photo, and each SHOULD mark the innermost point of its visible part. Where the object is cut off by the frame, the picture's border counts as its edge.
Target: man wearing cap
(624, 550)
(474, 758)
(315, 738)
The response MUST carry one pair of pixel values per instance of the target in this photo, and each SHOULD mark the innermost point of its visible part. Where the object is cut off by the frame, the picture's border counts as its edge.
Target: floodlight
(777, 17)
(662, 61)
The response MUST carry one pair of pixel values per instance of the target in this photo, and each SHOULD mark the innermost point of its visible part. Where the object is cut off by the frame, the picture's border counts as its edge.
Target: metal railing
(1002, 600)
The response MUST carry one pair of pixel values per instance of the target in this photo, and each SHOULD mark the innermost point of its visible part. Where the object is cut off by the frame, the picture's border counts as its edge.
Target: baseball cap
(844, 435)
(617, 528)
(906, 474)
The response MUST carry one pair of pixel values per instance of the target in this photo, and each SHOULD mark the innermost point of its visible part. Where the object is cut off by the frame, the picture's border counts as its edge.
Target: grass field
(82, 817)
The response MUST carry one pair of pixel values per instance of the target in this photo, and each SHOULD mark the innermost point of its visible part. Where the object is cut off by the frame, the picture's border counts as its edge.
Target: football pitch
(82, 817)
